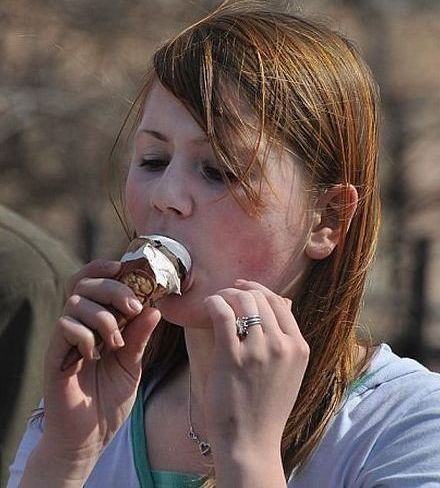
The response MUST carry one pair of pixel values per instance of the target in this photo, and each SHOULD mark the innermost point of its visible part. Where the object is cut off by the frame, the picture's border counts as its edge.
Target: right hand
(86, 404)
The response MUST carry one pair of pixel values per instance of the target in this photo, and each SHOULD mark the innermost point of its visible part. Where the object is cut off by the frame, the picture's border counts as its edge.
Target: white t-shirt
(386, 434)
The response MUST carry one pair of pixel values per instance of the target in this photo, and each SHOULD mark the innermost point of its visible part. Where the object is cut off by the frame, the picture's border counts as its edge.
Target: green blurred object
(33, 268)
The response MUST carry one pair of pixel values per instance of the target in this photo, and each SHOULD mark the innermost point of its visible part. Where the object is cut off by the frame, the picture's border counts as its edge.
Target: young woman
(256, 148)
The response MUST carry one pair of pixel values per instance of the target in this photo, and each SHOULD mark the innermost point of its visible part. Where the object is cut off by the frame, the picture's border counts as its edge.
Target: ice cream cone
(153, 267)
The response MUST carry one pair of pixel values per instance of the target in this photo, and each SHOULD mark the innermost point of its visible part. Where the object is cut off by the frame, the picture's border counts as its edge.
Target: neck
(199, 344)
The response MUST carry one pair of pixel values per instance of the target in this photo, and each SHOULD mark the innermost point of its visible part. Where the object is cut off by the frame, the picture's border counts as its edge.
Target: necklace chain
(204, 446)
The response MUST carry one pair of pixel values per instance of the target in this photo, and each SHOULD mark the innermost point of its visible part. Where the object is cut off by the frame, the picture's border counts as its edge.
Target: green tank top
(147, 477)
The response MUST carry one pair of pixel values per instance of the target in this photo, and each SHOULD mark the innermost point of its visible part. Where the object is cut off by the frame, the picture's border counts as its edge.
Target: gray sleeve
(30, 439)
(407, 453)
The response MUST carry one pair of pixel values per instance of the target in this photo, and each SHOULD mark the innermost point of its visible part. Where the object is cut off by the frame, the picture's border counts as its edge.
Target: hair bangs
(208, 70)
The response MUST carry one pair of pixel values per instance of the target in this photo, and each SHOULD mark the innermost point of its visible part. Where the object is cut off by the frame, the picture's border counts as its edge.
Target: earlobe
(334, 211)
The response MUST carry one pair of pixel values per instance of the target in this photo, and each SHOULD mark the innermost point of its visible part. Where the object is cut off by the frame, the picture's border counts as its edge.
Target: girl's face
(174, 188)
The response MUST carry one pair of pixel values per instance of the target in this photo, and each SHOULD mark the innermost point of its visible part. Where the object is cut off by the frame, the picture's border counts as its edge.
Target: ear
(333, 213)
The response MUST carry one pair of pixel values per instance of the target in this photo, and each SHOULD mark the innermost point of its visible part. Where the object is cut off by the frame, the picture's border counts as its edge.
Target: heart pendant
(205, 448)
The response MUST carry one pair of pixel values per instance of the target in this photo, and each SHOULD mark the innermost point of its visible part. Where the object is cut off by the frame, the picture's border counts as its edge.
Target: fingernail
(95, 354)
(117, 339)
(135, 305)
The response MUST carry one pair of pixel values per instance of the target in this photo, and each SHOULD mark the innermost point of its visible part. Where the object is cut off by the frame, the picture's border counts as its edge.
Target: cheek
(262, 251)
(135, 204)
(255, 256)
(250, 247)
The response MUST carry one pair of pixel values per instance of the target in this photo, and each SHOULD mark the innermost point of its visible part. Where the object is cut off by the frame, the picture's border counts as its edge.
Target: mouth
(187, 281)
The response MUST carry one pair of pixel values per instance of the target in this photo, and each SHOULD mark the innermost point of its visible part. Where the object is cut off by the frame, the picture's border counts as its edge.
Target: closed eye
(211, 173)
(153, 164)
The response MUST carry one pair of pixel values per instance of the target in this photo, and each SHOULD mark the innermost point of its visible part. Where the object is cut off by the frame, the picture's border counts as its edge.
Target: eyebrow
(163, 138)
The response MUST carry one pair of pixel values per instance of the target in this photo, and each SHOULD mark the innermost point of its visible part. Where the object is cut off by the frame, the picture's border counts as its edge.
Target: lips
(187, 281)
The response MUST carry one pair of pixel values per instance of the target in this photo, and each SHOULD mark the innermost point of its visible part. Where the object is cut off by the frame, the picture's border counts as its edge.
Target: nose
(172, 191)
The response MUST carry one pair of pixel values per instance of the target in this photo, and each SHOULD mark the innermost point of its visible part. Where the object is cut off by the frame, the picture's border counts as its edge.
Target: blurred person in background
(33, 269)
(256, 148)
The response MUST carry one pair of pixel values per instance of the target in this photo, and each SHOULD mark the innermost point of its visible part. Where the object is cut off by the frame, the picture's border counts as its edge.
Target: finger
(69, 333)
(99, 268)
(284, 320)
(244, 305)
(223, 322)
(269, 320)
(280, 306)
(106, 291)
(136, 338)
(95, 317)
(254, 285)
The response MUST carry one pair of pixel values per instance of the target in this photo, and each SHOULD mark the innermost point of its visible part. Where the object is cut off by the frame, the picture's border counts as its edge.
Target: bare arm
(86, 404)
(243, 467)
(252, 385)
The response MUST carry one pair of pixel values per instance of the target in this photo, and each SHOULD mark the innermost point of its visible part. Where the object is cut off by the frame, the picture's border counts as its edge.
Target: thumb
(137, 334)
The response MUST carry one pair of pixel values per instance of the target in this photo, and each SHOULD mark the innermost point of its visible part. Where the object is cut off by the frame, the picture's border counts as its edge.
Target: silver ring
(243, 324)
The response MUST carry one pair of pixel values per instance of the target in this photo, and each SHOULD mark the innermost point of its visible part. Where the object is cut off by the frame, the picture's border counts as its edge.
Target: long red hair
(311, 92)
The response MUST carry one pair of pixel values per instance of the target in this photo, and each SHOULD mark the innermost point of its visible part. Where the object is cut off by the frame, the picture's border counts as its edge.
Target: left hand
(252, 384)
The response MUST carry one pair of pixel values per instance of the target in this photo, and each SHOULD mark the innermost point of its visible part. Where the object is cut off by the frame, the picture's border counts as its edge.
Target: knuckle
(75, 331)
(279, 348)
(73, 301)
(245, 298)
(222, 315)
(62, 322)
(105, 321)
(86, 343)
(305, 349)
(101, 268)
(79, 285)
(258, 295)
(256, 358)
(302, 349)
(98, 264)
(229, 292)
(71, 281)
(277, 300)
(218, 307)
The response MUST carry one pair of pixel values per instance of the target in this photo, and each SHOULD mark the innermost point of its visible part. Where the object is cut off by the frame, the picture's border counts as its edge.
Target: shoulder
(393, 383)
(29, 254)
(396, 393)
(398, 417)
(386, 431)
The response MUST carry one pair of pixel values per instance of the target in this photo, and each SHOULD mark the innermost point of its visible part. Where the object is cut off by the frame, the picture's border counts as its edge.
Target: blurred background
(71, 68)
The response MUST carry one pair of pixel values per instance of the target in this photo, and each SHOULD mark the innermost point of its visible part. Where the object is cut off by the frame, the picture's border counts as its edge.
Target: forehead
(162, 111)
(229, 105)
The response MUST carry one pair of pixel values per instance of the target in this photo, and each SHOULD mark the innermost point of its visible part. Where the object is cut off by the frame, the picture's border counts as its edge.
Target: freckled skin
(176, 199)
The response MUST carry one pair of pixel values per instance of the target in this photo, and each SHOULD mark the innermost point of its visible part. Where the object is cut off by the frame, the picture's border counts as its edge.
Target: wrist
(50, 466)
(243, 465)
